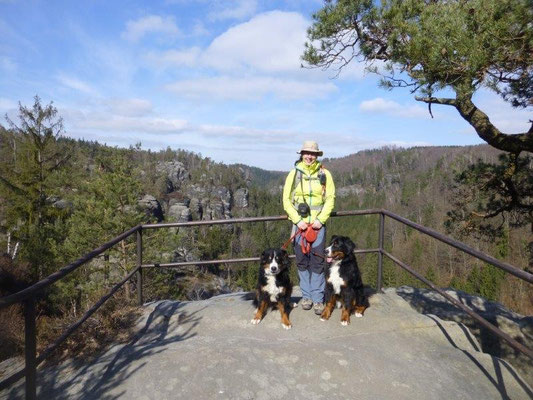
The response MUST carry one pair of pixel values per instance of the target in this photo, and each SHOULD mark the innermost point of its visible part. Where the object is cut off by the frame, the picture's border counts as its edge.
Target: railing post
(30, 348)
(139, 263)
(380, 254)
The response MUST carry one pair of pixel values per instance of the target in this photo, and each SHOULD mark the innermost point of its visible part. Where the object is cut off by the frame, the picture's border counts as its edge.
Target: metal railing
(29, 295)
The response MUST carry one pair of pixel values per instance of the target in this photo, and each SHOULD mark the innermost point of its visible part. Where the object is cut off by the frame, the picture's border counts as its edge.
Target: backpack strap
(297, 180)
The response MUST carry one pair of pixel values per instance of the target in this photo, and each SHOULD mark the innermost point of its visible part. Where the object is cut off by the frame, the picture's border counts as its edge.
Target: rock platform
(209, 350)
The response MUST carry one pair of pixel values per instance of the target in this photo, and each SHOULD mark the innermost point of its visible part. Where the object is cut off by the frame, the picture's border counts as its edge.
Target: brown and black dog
(274, 287)
(343, 281)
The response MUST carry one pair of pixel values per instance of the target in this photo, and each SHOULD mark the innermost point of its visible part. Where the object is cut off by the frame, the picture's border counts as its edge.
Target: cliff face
(209, 349)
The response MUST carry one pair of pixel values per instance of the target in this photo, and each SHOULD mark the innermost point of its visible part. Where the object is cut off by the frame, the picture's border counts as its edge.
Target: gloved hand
(302, 225)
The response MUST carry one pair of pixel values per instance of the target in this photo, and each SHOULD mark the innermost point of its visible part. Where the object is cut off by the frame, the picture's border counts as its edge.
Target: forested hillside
(60, 198)
(420, 184)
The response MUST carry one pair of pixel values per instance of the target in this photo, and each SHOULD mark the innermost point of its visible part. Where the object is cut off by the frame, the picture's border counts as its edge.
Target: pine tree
(107, 207)
(30, 183)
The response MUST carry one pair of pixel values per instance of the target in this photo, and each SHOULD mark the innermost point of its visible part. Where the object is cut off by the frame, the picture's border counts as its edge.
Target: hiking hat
(311, 147)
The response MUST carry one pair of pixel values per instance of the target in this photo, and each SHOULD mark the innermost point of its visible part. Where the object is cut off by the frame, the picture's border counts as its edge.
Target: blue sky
(220, 78)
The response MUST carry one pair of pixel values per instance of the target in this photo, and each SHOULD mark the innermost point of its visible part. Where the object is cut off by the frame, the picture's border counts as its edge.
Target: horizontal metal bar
(365, 251)
(463, 247)
(513, 343)
(228, 261)
(42, 284)
(250, 219)
(207, 262)
(85, 316)
(356, 212)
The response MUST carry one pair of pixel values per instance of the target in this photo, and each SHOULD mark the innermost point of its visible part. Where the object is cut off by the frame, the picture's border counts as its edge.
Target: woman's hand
(302, 225)
(317, 224)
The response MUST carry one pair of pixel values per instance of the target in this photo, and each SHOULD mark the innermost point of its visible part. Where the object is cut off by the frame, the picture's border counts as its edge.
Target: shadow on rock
(161, 327)
(428, 301)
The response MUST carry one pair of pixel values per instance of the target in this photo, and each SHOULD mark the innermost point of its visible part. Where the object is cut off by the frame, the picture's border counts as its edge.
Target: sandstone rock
(63, 205)
(196, 208)
(151, 206)
(175, 173)
(184, 202)
(209, 349)
(179, 213)
(517, 326)
(240, 198)
(349, 190)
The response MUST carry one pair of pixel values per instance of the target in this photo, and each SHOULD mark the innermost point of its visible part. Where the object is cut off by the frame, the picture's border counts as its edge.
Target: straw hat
(311, 147)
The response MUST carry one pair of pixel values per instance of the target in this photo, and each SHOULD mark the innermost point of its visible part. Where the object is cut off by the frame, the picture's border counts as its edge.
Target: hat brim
(318, 153)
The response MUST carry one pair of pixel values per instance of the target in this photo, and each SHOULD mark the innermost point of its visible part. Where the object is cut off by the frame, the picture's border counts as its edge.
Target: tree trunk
(511, 143)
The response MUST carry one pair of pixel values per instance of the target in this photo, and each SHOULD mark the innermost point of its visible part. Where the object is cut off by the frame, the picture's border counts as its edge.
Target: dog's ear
(350, 246)
(264, 256)
(285, 260)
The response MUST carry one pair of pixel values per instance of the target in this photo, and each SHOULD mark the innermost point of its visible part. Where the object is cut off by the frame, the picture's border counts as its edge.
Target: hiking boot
(306, 304)
(318, 307)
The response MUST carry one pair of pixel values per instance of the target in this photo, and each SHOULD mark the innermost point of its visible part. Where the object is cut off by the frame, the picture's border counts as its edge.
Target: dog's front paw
(255, 321)
(325, 316)
(345, 323)
(358, 315)
(286, 326)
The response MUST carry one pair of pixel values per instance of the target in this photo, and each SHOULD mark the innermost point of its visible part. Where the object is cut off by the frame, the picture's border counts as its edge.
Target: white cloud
(501, 114)
(129, 107)
(225, 88)
(175, 58)
(199, 29)
(135, 30)
(234, 9)
(389, 107)
(269, 42)
(109, 124)
(76, 84)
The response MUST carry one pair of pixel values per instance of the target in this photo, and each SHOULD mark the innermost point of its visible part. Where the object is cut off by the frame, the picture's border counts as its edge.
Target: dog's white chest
(272, 289)
(335, 277)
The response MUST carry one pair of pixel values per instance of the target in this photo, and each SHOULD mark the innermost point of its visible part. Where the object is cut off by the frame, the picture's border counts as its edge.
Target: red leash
(307, 238)
(286, 244)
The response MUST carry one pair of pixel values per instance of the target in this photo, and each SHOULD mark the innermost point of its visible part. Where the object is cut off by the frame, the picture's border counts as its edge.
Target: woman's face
(308, 158)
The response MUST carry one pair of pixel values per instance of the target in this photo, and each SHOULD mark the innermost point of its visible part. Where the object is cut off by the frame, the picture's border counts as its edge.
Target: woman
(308, 199)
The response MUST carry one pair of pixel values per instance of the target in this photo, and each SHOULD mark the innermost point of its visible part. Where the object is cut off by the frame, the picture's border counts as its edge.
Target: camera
(322, 178)
(304, 210)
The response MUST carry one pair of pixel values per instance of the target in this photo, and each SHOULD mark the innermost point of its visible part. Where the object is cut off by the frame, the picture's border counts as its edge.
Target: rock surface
(241, 197)
(519, 327)
(151, 206)
(175, 174)
(209, 350)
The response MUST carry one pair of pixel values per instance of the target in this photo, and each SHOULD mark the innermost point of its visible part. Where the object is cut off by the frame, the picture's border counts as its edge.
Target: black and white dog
(343, 281)
(273, 286)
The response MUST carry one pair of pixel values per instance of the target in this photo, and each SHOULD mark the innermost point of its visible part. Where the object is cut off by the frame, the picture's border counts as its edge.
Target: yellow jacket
(309, 189)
